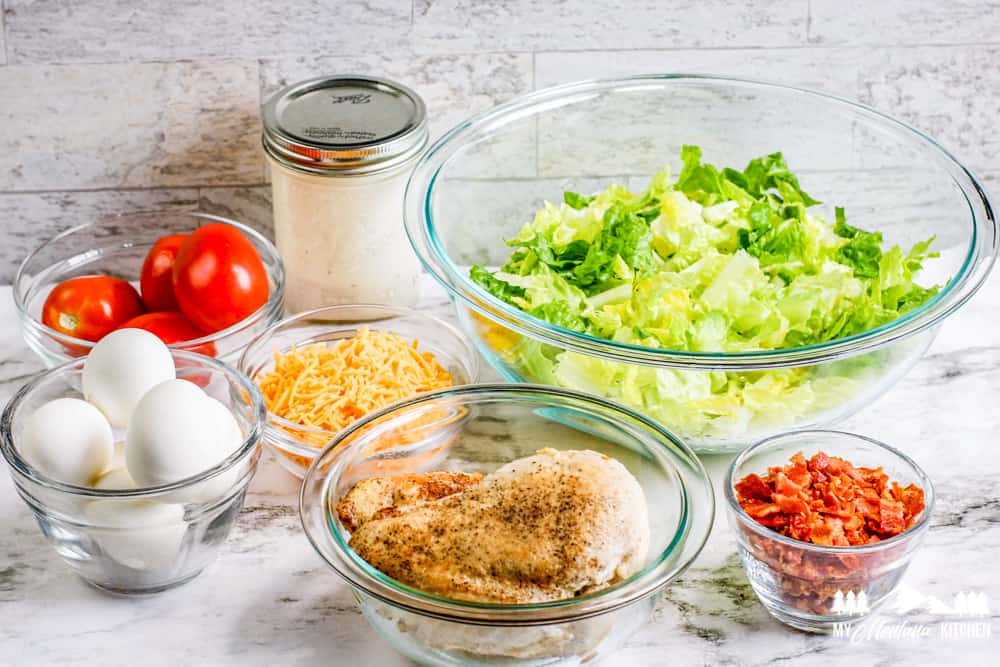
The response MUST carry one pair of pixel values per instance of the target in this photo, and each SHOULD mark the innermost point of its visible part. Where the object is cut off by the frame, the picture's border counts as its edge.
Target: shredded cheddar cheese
(329, 386)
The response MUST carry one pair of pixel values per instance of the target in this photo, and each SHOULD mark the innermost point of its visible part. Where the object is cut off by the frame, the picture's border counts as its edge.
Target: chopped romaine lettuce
(723, 261)
(715, 261)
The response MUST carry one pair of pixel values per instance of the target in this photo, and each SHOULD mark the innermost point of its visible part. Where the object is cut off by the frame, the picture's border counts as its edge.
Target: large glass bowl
(116, 245)
(486, 178)
(497, 424)
(144, 540)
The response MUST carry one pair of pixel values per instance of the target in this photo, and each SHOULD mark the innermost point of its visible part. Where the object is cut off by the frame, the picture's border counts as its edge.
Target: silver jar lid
(344, 125)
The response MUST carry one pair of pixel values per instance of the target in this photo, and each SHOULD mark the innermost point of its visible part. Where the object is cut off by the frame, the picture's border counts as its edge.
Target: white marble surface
(269, 600)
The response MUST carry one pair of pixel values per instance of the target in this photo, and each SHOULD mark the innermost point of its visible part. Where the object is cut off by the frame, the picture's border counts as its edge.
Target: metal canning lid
(344, 125)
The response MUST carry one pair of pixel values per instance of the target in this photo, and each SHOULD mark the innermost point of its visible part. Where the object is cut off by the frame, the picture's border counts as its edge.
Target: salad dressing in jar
(341, 150)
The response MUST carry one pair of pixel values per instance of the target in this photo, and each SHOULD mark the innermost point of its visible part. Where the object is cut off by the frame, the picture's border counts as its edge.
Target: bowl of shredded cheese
(322, 370)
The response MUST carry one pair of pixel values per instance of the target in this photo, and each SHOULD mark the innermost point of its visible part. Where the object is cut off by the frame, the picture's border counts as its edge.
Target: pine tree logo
(971, 604)
(851, 604)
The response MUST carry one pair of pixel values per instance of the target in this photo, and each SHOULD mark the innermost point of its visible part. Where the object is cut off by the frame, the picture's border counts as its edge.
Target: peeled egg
(228, 430)
(173, 434)
(230, 437)
(118, 458)
(140, 534)
(115, 479)
(121, 368)
(68, 440)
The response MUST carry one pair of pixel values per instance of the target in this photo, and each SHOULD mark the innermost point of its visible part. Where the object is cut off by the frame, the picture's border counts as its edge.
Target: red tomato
(156, 282)
(89, 307)
(171, 327)
(218, 277)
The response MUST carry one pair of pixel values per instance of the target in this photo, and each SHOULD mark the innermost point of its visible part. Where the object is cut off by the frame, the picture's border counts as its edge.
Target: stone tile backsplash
(69, 31)
(886, 22)
(130, 125)
(109, 105)
(3, 40)
(545, 25)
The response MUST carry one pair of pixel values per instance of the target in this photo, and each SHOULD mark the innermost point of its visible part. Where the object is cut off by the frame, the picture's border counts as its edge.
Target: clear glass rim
(661, 570)
(420, 227)
(25, 469)
(274, 434)
(917, 529)
(273, 306)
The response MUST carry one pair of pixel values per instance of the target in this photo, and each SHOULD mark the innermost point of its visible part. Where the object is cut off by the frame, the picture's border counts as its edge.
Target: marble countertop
(269, 599)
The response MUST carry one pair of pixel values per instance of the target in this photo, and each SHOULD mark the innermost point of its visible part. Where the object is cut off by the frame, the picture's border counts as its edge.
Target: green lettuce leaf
(772, 173)
(498, 288)
(576, 200)
(626, 237)
(562, 314)
(772, 237)
(863, 250)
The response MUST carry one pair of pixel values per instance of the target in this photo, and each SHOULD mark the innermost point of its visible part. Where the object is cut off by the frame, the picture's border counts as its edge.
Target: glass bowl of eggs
(134, 460)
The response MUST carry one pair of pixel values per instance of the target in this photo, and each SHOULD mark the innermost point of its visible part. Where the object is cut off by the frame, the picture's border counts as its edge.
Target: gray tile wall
(114, 105)
(3, 41)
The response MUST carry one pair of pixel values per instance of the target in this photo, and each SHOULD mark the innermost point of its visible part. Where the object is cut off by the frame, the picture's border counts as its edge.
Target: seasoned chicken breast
(547, 527)
(389, 496)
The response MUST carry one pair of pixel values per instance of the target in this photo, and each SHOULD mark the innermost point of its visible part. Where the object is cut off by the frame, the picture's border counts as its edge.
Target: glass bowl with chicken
(542, 536)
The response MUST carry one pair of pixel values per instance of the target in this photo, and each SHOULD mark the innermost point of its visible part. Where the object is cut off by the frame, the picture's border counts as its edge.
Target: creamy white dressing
(342, 239)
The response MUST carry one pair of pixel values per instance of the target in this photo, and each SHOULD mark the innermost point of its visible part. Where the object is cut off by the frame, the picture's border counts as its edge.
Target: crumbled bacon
(828, 501)
(753, 487)
(825, 501)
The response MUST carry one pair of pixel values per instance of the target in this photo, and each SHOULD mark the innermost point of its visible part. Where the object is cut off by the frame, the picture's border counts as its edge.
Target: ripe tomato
(156, 281)
(89, 307)
(218, 277)
(171, 327)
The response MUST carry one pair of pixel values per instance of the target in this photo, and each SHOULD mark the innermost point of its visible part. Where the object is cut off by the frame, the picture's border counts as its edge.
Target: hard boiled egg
(140, 534)
(118, 458)
(174, 433)
(229, 433)
(68, 440)
(121, 368)
(115, 479)
(230, 438)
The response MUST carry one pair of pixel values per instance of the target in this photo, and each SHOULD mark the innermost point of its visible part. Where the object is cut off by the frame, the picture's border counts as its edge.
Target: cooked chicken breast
(547, 527)
(379, 497)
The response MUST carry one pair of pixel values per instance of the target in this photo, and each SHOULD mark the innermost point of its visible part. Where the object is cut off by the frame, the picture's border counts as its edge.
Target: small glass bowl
(818, 588)
(296, 445)
(147, 540)
(499, 423)
(116, 246)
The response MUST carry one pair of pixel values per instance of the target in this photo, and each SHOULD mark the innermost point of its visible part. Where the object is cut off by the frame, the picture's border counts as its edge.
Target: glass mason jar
(341, 149)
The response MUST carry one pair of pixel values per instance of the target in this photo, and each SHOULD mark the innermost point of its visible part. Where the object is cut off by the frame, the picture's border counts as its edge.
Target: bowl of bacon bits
(321, 370)
(826, 523)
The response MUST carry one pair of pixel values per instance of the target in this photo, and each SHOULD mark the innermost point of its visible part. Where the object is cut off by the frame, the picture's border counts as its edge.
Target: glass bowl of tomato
(200, 282)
